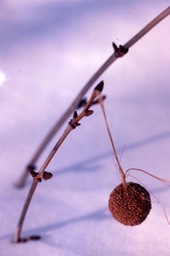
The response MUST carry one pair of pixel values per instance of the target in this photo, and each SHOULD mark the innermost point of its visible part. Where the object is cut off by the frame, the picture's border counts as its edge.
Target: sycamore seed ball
(130, 206)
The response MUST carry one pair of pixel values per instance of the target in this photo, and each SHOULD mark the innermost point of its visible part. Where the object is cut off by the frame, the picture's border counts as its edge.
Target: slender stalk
(86, 87)
(71, 125)
(122, 174)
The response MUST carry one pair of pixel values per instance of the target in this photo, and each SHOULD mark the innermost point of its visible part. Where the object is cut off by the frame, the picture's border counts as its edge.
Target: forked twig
(118, 52)
(38, 176)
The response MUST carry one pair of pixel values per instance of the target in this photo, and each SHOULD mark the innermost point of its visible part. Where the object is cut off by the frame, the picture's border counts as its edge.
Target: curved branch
(117, 54)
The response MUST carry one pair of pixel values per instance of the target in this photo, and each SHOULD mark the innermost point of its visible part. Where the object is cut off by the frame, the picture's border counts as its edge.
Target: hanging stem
(122, 175)
(119, 52)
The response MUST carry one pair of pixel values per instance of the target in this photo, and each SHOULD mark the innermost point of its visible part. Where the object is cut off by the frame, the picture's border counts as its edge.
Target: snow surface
(48, 51)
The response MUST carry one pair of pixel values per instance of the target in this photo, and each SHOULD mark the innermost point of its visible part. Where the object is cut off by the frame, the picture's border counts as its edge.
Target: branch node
(39, 176)
(119, 51)
(73, 125)
(36, 175)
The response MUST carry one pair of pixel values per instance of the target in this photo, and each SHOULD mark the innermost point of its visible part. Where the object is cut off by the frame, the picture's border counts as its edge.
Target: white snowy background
(48, 51)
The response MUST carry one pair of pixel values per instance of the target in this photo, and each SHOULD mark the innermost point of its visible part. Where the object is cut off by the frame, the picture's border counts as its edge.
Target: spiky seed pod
(130, 206)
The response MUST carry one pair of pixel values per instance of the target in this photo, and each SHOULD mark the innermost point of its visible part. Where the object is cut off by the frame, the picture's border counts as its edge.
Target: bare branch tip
(100, 86)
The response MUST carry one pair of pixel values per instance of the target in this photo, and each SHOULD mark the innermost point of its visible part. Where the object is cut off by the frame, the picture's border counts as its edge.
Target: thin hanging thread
(158, 201)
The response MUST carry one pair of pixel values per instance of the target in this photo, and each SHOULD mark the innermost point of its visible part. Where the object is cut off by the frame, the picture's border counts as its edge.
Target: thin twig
(71, 126)
(118, 53)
